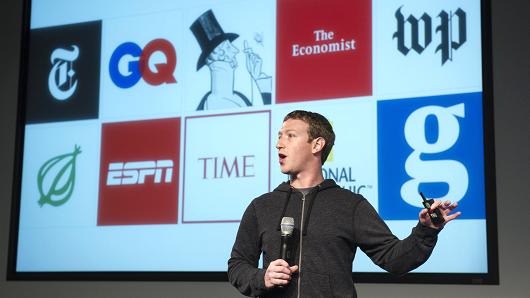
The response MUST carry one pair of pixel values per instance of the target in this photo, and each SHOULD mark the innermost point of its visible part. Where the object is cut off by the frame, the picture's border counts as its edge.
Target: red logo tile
(139, 172)
(324, 49)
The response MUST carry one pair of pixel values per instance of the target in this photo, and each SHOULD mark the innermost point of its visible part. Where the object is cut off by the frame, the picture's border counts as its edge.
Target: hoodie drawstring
(285, 207)
(311, 201)
(309, 208)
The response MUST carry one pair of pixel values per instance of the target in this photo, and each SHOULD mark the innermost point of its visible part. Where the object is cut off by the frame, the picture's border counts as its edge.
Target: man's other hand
(446, 208)
(279, 273)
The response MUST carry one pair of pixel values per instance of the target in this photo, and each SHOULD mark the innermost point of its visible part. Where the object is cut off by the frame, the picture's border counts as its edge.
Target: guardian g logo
(448, 171)
(61, 81)
(433, 145)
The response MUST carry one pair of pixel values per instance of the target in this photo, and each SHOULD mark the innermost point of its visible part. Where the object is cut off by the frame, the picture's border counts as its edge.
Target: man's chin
(285, 171)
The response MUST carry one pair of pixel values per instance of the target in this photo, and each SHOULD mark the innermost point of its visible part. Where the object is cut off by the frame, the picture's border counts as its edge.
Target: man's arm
(395, 256)
(243, 271)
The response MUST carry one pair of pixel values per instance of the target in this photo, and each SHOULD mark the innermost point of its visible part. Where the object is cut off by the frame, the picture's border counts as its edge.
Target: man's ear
(318, 145)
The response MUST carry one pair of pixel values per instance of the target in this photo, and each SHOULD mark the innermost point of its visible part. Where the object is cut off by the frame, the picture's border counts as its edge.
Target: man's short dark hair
(319, 126)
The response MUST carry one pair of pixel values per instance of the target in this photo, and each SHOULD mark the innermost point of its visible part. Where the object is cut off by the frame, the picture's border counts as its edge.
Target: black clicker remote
(435, 215)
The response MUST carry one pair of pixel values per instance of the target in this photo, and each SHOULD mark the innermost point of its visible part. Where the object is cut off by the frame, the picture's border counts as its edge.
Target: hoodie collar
(327, 183)
(286, 187)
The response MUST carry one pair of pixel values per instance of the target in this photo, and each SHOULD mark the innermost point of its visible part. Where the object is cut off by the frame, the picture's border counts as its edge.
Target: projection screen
(147, 127)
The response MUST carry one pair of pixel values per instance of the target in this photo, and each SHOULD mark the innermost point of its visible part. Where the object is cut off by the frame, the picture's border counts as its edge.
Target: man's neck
(306, 180)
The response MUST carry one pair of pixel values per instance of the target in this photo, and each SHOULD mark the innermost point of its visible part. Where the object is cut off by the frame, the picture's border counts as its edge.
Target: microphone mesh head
(287, 226)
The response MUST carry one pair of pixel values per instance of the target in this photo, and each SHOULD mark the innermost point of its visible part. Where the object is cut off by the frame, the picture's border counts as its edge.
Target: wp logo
(418, 32)
(136, 61)
(433, 145)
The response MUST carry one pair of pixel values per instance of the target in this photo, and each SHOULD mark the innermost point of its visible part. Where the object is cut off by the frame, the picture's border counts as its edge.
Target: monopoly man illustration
(220, 55)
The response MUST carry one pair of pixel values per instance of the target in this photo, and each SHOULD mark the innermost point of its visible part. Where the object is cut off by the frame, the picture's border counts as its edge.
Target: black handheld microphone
(287, 228)
(436, 215)
(286, 252)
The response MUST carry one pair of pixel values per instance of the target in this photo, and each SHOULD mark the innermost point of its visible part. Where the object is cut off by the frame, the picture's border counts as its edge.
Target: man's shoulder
(273, 197)
(267, 203)
(268, 196)
(347, 193)
(338, 193)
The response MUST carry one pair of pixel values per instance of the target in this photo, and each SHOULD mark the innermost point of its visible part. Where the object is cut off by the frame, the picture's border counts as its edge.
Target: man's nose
(279, 144)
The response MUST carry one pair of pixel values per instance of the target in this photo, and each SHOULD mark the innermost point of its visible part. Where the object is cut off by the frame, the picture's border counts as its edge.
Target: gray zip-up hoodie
(335, 222)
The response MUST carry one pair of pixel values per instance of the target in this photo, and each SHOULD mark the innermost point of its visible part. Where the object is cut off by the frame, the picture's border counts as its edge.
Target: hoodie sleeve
(243, 271)
(393, 255)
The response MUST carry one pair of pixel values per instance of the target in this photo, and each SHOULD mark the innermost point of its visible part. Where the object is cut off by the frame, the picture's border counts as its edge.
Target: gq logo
(61, 81)
(433, 145)
(136, 64)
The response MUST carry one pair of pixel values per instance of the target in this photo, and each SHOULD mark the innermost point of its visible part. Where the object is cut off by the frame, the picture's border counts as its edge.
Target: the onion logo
(56, 178)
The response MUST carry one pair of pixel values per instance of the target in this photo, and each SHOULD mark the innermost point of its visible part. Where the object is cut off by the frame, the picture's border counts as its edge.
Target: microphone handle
(285, 249)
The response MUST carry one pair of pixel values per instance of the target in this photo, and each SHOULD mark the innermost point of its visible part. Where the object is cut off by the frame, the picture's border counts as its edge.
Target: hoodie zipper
(300, 252)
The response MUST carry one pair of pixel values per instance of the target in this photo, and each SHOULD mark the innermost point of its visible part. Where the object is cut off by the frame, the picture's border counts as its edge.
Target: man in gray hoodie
(330, 223)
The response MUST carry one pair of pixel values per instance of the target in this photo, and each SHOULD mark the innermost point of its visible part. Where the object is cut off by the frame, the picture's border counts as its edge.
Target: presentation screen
(148, 127)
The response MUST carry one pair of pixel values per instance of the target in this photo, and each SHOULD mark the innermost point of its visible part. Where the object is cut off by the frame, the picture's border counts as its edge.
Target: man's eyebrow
(286, 131)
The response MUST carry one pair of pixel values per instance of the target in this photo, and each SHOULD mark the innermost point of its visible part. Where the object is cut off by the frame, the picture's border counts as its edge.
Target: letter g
(452, 172)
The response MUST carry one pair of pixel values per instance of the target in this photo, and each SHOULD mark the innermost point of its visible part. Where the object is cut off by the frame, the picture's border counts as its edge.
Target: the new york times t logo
(61, 81)
(449, 41)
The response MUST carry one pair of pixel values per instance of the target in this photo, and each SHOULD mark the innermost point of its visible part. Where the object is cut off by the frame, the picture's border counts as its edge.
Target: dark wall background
(511, 64)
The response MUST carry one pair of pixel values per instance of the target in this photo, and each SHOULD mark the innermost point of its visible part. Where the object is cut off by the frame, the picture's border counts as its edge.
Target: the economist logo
(324, 49)
(139, 172)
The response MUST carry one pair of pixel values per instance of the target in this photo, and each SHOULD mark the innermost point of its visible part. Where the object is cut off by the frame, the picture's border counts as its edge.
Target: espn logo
(139, 179)
(129, 173)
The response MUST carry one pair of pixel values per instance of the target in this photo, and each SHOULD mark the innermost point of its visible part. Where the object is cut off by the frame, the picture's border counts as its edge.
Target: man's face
(294, 150)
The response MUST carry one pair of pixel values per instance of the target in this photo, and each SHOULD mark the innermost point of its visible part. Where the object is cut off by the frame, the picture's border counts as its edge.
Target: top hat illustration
(209, 34)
